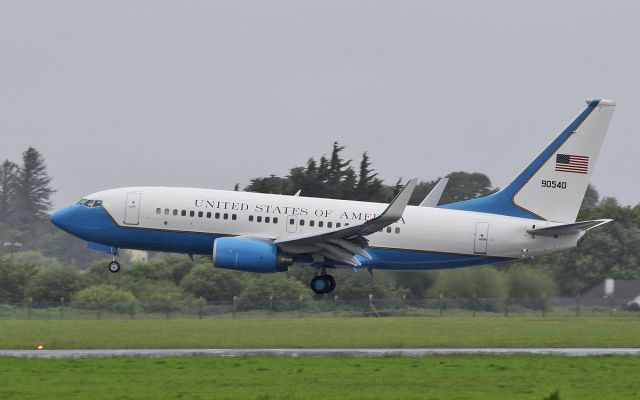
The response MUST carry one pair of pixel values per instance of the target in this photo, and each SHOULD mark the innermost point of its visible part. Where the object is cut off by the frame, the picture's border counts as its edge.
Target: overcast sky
(207, 94)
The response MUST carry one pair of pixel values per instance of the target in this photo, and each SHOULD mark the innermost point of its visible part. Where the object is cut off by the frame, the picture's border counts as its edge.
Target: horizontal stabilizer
(569, 229)
(435, 194)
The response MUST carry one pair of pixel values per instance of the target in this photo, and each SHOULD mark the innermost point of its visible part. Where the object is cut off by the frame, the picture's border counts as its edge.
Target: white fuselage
(231, 213)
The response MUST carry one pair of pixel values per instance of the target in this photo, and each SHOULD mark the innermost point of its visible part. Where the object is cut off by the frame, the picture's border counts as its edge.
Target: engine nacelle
(250, 255)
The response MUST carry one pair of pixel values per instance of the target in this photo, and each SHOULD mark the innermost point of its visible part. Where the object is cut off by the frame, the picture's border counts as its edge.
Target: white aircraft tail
(552, 187)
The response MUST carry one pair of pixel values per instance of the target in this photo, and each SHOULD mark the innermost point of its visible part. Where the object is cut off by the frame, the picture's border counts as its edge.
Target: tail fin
(553, 185)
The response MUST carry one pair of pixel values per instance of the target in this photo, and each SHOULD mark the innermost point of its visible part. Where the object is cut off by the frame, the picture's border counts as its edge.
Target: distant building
(625, 291)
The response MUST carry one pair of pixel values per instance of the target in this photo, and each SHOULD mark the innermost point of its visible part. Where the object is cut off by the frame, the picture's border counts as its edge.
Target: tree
(14, 279)
(464, 185)
(50, 284)
(8, 178)
(591, 198)
(203, 281)
(530, 287)
(279, 285)
(486, 284)
(32, 190)
(369, 187)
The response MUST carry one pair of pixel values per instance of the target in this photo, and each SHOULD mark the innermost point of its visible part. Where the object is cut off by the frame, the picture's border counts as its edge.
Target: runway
(315, 352)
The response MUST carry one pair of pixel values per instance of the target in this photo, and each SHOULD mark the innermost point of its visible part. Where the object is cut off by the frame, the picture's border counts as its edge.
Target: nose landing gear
(114, 265)
(322, 284)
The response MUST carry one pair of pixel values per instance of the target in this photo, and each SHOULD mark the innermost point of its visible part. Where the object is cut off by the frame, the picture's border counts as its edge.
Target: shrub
(482, 288)
(105, 297)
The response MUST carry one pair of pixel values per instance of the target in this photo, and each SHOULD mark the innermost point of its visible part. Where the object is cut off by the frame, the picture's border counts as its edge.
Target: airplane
(533, 215)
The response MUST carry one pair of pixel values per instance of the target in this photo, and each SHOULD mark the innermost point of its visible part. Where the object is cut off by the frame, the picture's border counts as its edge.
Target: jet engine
(250, 255)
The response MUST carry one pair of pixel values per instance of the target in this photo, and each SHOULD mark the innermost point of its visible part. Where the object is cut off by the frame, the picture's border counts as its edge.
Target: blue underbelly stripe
(97, 226)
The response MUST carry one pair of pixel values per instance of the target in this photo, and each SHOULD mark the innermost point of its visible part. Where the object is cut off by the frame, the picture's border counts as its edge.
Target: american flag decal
(572, 163)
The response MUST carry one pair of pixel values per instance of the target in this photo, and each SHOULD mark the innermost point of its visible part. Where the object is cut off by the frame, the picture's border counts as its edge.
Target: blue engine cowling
(250, 255)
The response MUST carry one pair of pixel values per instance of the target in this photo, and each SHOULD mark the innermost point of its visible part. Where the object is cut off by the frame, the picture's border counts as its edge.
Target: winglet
(395, 209)
(435, 194)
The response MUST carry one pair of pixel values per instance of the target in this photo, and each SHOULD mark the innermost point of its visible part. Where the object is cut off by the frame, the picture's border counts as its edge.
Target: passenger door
(482, 237)
(132, 209)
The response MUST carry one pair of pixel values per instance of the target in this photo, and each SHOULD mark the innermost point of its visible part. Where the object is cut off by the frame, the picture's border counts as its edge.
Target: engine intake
(250, 255)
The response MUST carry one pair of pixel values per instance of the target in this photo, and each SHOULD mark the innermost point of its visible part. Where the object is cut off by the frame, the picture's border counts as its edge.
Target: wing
(435, 194)
(343, 244)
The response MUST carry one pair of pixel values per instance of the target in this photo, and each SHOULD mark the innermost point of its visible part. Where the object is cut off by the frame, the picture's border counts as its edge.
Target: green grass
(262, 378)
(330, 333)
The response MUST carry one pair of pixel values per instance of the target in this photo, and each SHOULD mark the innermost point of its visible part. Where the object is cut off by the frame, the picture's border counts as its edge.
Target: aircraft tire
(114, 266)
(319, 284)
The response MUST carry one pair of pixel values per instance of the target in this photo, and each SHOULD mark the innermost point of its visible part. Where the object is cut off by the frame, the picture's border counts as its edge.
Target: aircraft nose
(63, 218)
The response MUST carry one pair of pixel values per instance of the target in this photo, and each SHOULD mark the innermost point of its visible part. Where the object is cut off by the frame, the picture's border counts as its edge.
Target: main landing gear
(323, 283)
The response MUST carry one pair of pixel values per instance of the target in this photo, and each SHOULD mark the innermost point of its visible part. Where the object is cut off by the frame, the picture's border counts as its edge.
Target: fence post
(474, 304)
(506, 307)
(441, 303)
(404, 304)
(99, 311)
(200, 307)
(335, 306)
(544, 305)
(301, 304)
(62, 307)
(578, 305)
(132, 311)
(611, 305)
(270, 306)
(167, 309)
(29, 307)
(233, 308)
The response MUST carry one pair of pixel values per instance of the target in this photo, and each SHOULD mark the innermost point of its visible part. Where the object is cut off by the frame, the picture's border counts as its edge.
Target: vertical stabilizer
(553, 185)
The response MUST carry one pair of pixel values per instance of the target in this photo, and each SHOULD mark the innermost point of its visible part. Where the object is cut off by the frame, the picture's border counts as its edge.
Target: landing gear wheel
(332, 283)
(114, 266)
(319, 284)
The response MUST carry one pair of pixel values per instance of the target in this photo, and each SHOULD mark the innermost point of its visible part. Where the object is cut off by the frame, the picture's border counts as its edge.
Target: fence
(324, 307)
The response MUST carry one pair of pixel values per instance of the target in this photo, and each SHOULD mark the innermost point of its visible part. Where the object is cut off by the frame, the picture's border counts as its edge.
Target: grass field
(262, 378)
(329, 333)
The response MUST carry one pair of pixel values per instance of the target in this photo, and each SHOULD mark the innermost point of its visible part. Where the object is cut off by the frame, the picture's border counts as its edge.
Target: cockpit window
(90, 203)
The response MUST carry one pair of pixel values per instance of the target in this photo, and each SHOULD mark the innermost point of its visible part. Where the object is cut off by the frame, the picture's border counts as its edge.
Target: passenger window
(175, 212)
(158, 211)
(337, 224)
(320, 223)
(200, 214)
(329, 224)
(166, 211)
(217, 215)
(225, 216)
(250, 218)
(312, 222)
(184, 213)
(209, 214)
(192, 213)
(234, 217)
(259, 219)
(275, 220)
(388, 229)
(397, 230)
(301, 222)
(267, 220)
(291, 221)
